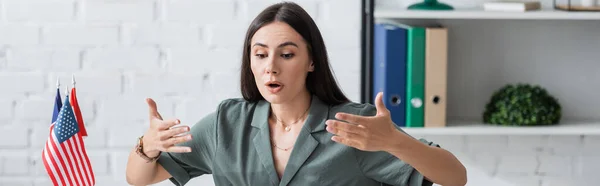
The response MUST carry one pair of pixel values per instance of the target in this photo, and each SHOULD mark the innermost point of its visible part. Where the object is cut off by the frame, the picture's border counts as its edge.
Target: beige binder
(436, 66)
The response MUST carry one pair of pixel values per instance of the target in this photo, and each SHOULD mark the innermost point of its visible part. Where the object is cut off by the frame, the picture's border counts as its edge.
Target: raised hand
(368, 133)
(162, 135)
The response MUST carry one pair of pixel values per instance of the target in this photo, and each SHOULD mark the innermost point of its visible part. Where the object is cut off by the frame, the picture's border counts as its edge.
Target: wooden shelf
(482, 14)
(475, 128)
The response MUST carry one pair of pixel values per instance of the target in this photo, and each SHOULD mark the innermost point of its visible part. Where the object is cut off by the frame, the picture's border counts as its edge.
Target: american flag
(64, 155)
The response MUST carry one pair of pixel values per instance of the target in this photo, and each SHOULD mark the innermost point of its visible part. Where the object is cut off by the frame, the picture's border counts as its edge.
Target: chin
(273, 98)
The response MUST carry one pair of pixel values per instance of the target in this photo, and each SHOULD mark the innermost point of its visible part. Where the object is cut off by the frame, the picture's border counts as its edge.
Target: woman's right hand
(162, 136)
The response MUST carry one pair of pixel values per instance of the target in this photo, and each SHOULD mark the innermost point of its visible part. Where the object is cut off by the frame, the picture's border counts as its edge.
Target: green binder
(415, 80)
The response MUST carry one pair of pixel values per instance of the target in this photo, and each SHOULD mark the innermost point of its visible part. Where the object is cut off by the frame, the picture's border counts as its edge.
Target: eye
(287, 56)
(260, 55)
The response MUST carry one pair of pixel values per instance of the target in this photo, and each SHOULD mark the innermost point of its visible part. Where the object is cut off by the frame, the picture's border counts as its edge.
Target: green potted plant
(522, 105)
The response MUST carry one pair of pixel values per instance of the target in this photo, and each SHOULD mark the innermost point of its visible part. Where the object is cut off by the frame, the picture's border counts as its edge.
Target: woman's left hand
(367, 133)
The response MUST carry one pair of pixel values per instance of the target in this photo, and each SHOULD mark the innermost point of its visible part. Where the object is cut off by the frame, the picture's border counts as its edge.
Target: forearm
(139, 172)
(436, 164)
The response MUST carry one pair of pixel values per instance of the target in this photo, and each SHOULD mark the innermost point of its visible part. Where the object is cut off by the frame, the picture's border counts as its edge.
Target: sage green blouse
(233, 145)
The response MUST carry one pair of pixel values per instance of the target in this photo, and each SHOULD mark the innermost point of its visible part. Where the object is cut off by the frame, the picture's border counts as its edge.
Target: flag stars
(66, 125)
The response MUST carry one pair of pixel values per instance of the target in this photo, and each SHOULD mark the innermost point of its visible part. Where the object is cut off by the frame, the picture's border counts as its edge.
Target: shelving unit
(557, 49)
(474, 128)
(481, 14)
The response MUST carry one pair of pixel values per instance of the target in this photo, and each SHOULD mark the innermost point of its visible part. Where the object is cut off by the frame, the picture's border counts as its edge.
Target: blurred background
(185, 54)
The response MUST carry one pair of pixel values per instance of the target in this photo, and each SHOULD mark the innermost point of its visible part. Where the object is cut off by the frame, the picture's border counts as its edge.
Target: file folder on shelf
(389, 69)
(415, 79)
(436, 64)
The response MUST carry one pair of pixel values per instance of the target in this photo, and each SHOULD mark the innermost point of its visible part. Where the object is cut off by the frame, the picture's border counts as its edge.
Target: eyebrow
(280, 45)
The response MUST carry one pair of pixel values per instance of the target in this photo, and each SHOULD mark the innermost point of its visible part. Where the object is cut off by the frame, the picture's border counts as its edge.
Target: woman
(293, 126)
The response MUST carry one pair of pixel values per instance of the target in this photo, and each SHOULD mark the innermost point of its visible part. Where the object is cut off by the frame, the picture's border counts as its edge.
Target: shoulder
(233, 112)
(225, 117)
(235, 106)
(234, 102)
(363, 109)
(225, 109)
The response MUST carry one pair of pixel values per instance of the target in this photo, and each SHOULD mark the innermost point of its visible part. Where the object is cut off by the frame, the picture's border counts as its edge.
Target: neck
(292, 110)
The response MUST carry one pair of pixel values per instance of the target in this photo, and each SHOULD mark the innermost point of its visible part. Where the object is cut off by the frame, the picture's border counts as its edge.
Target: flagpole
(57, 101)
(73, 80)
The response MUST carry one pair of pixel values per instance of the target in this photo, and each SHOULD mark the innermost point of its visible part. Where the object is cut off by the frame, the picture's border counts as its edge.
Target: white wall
(185, 54)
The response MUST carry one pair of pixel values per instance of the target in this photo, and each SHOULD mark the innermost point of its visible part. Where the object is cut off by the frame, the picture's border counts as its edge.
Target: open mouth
(274, 86)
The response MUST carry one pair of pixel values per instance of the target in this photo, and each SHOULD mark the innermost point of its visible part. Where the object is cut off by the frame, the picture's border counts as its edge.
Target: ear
(311, 67)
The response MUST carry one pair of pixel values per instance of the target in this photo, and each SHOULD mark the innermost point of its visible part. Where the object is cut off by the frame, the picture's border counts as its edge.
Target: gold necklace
(288, 127)
(284, 149)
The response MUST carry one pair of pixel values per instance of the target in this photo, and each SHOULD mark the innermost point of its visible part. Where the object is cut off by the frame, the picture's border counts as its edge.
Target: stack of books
(512, 6)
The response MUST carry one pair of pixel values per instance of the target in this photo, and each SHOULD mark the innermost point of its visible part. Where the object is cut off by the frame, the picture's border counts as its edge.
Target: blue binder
(389, 68)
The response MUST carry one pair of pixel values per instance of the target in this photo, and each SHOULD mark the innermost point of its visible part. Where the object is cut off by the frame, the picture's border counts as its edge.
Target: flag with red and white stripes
(64, 155)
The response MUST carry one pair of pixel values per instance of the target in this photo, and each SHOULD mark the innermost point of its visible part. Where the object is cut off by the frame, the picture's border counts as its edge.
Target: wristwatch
(139, 149)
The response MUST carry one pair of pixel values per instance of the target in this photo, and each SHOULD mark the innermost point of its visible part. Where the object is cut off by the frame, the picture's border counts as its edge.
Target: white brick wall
(76, 34)
(123, 58)
(162, 34)
(40, 11)
(33, 58)
(525, 160)
(19, 34)
(118, 11)
(202, 12)
(185, 54)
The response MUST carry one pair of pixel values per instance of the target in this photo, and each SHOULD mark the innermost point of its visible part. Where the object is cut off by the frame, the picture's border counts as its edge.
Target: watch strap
(139, 149)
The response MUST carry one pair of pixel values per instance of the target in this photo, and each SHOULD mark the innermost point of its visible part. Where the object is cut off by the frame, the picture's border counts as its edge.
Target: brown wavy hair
(320, 82)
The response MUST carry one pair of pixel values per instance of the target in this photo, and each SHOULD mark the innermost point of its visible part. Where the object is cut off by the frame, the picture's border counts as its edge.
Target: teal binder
(415, 79)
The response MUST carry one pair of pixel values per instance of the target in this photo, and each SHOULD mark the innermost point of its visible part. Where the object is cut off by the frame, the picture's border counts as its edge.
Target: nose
(271, 67)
